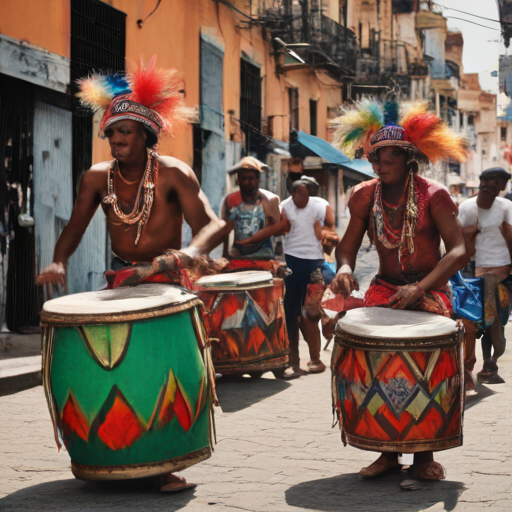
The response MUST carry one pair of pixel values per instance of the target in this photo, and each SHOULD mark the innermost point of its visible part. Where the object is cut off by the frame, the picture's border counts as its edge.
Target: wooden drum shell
(141, 408)
(399, 395)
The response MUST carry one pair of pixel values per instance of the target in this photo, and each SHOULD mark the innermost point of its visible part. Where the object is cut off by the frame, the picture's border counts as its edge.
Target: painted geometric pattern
(398, 396)
(247, 323)
(117, 423)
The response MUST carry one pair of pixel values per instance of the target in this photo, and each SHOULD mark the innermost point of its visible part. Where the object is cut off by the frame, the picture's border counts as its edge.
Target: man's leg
(469, 353)
(311, 332)
(292, 306)
(310, 329)
(489, 367)
(497, 332)
(486, 345)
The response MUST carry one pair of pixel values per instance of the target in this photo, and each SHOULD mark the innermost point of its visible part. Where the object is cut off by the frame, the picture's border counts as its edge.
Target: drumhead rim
(117, 303)
(362, 325)
(226, 281)
(59, 319)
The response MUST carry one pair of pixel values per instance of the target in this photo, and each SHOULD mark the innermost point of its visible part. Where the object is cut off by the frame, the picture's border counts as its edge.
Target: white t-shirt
(301, 241)
(491, 248)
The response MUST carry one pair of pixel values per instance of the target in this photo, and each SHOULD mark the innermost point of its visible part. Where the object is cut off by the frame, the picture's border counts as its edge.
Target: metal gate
(19, 295)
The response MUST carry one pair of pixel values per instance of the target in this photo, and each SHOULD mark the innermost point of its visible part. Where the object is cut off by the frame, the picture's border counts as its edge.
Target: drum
(244, 311)
(128, 379)
(398, 380)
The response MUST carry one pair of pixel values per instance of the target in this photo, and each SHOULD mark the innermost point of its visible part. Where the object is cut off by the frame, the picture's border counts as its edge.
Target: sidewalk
(20, 362)
(276, 452)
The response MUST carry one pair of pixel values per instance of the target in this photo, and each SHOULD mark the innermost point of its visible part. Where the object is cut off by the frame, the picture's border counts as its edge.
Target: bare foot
(173, 483)
(386, 462)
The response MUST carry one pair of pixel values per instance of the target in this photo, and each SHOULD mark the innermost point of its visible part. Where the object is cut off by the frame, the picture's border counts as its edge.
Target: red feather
(161, 90)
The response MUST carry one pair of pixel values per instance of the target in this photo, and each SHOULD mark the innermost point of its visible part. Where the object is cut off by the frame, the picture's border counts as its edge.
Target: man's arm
(208, 231)
(330, 219)
(283, 226)
(444, 214)
(272, 211)
(346, 252)
(230, 224)
(468, 219)
(88, 200)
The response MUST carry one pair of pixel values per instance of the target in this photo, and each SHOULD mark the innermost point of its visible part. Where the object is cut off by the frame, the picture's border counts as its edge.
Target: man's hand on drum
(406, 296)
(51, 278)
(344, 283)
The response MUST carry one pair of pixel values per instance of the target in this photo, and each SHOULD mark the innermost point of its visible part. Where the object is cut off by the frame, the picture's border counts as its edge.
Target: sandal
(316, 366)
(432, 471)
(293, 372)
(380, 468)
(176, 486)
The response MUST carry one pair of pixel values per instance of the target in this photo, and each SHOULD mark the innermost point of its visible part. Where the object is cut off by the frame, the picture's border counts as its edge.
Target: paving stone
(276, 452)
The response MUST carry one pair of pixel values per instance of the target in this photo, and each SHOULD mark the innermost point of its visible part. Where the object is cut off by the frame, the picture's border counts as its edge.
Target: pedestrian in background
(486, 220)
(304, 256)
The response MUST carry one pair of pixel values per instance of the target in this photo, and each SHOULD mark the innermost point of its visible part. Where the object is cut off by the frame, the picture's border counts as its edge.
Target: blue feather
(391, 113)
(118, 85)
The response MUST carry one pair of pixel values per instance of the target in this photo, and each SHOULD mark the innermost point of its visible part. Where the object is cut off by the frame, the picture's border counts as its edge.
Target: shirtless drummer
(144, 195)
(406, 216)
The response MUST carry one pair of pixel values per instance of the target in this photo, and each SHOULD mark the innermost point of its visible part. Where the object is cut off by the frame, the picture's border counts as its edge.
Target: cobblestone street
(276, 451)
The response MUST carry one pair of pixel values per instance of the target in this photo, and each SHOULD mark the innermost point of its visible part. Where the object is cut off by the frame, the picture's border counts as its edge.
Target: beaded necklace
(143, 200)
(392, 238)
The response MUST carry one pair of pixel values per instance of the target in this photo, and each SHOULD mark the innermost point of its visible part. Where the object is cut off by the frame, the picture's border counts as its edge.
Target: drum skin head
(236, 279)
(120, 300)
(392, 323)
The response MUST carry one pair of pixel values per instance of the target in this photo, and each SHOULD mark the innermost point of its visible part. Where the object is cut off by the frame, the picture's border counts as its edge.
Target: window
(503, 133)
(293, 98)
(312, 117)
(250, 95)
(98, 38)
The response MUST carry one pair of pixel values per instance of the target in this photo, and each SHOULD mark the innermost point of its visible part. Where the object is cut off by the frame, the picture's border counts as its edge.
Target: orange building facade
(250, 92)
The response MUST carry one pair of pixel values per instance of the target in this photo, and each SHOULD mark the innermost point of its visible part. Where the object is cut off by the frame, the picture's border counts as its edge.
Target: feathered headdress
(418, 130)
(149, 95)
(355, 128)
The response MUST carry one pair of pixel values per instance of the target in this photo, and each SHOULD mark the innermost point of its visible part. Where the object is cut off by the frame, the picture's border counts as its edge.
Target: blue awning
(361, 166)
(322, 148)
(360, 169)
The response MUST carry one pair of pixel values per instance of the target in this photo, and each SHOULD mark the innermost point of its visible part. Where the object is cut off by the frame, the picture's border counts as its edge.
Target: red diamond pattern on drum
(404, 401)
(421, 359)
(73, 420)
(378, 360)
(432, 423)
(120, 427)
(248, 323)
(164, 409)
(445, 368)
(183, 409)
(173, 402)
(256, 339)
(353, 371)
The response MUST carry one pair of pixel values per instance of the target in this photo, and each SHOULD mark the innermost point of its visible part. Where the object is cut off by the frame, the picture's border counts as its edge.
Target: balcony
(317, 41)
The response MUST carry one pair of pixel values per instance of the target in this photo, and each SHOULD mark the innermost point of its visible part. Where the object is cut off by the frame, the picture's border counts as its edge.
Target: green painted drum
(128, 379)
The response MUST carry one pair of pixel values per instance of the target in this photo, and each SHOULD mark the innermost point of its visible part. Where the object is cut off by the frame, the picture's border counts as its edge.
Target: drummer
(143, 227)
(406, 216)
(249, 210)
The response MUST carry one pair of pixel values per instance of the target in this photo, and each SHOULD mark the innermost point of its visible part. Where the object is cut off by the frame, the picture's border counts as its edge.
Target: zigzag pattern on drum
(119, 425)
(398, 396)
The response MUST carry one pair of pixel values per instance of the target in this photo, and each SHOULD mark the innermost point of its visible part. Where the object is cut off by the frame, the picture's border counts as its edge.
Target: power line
(468, 13)
(473, 22)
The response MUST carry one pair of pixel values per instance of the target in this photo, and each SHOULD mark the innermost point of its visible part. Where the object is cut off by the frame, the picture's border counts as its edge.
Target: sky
(482, 46)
